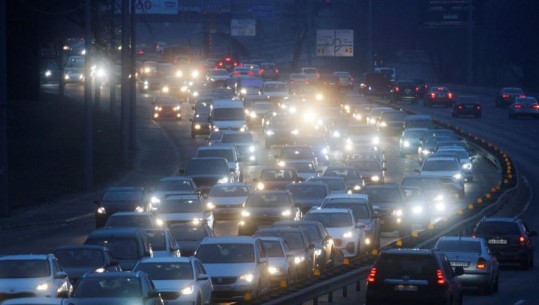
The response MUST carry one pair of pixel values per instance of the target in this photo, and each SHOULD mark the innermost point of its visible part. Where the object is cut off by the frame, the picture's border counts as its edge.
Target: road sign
(335, 43)
(156, 7)
(243, 27)
(450, 13)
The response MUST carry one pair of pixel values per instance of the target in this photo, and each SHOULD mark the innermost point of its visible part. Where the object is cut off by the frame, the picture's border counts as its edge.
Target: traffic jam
(295, 175)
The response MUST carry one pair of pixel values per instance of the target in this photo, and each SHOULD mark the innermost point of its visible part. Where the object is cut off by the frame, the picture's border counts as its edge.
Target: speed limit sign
(157, 7)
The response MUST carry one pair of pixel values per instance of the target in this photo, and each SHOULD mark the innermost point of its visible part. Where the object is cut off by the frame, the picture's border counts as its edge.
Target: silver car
(174, 185)
(182, 209)
(448, 169)
(471, 253)
(180, 280)
(282, 266)
(226, 200)
(163, 243)
(524, 107)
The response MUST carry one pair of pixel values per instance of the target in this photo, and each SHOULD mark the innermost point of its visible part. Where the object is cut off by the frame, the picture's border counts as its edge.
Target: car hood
(266, 211)
(20, 285)
(304, 202)
(227, 200)
(181, 216)
(172, 285)
(227, 270)
(439, 173)
(106, 301)
(338, 232)
(236, 124)
(163, 194)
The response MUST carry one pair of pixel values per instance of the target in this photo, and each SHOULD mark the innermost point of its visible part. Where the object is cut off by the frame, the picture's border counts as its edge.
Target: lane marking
(520, 302)
(527, 205)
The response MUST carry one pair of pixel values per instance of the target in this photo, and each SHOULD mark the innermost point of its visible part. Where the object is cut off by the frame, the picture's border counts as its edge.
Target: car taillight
(505, 96)
(440, 277)
(235, 64)
(276, 70)
(260, 71)
(522, 240)
(536, 106)
(220, 64)
(372, 275)
(397, 89)
(251, 73)
(481, 264)
(236, 73)
(416, 89)
(317, 75)
(517, 106)
(433, 95)
(477, 107)
(450, 95)
(459, 107)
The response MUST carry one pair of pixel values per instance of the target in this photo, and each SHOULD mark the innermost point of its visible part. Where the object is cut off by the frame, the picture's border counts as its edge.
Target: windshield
(206, 167)
(113, 287)
(226, 253)
(303, 167)
(342, 172)
(167, 271)
(382, 195)
(18, 268)
(497, 228)
(251, 82)
(119, 247)
(186, 232)
(275, 87)
(293, 239)
(440, 165)
(273, 248)
(297, 153)
(229, 191)
(425, 183)
(228, 154)
(237, 138)
(331, 220)
(361, 211)
(277, 174)
(122, 196)
(459, 246)
(180, 206)
(366, 165)
(219, 73)
(394, 115)
(157, 239)
(175, 185)
(416, 134)
(280, 199)
(80, 258)
(228, 114)
(304, 190)
(333, 184)
(140, 221)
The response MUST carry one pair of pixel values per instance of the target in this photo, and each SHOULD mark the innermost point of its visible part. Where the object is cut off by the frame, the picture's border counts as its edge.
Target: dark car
(405, 90)
(279, 130)
(506, 96)
(352, 178)
(330, 85)
(200, 125)
(115, 288)
(79, 259)
(391, 122)
(413, 276)
(467, 106)
(438, 95)
(277, 178)
(207, 171)
(263, 208)
(167, 107)
(227, 63)
(390, 200)
(308, 195)
(422, 86)
(119, 199)
(509, 239)
(189, 235)
(375, 84)
(269, 71)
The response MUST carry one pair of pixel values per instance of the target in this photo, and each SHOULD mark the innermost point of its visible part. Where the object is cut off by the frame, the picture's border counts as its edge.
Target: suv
(448, 169)
(509, 239)
(405, 90)
(419, 276)
(119, 199)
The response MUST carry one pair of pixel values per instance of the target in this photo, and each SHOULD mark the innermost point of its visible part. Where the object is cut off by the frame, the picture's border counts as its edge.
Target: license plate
(405, 288)
(223, 287)
(469, 106)
(497, 241)
(460, 264)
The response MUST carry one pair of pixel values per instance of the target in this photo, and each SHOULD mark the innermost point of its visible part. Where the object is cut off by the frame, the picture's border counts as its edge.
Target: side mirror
(202, 277)
(458, 271)
(60, 275)
(263, 260)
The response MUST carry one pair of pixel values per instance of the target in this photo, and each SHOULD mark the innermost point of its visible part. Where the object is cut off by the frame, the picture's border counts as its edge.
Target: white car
(305, 168)
(447, 168)
(237, 265)
(183, 209)
(174, 185)
(39, 275)
(341, 225)
(311, 73)
(464, 158)
(282, 265)
(222, 150)
(274, 90)
(163, 243)
(226, 200)
(180, 280)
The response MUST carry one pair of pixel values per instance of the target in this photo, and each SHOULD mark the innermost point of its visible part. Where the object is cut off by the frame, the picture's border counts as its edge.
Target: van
(419, 121)
(227, 114)
(127, 245)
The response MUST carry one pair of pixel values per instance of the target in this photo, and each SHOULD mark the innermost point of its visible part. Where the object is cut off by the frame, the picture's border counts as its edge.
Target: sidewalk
(148, 169)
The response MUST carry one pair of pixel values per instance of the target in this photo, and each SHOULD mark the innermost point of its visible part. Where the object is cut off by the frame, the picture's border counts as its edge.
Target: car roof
(131, 213)
(329, 210)
(124, 188)
(231, 184)
(167, 259)
(229, 239)
(500, 219)
(26, 257)
(176, 178)
(116, 232)
(217, 146)
(182, 196)
(114, 274)
(408, 251)
(296, 223)
(347, 196)
(382, 186)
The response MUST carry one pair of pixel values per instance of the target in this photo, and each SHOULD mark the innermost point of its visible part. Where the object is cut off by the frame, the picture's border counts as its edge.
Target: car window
(304, 190)
(229, 191)
(459, 246)
(107, 287)
(34, 268)
(360, 210)
(414, 266)
(225, 253)
(80, 257)
(174, 185)
(331, 220)
(269, 199)
(497, 228)
(382, 195)
(167, 270)
(119, 247)
(188, 232)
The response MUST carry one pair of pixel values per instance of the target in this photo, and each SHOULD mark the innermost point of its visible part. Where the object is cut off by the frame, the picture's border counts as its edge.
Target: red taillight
(440, 88)
(236, 73)
(433, 95)
(459, 107)
(522, 240)
(416, 89)
(522, 95)
(505, 96)
(397, 89)
(276, 70)
(481, 264)
(477, 107)
(227, 59)
(450, 95)
(536, 106)
(517, 106)
(260, 71)
(317, 75)
(440, 277)
(220, 64)
(235, 64)
(372, 275)
(251, 73)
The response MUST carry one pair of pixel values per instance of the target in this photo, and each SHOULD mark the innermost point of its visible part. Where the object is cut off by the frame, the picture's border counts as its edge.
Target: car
(173, 87)
(167, 107)
(269, 71)
(34, 301)
(305, 168)
(237, 265)
(352, 179)
(345, 79)
(370, 170)
(172, 185)
(375, 83)
(405, 90)
(428, 145)
(524, 107)
(391, 123)
(347, 234)
(413, 276)
(419, 121)
(509, 239)
(300, 245)
(116, 287)
(76, 260)
(297, 81)
(311, 73)
(215, 137)
(279, 130)
(35, 275)
(200, 125)
(245, 143)
(116, 199)
(227, 63)
(188, 236)
(255, 110)
(243, 71)
(329, 85)
(467, 105)
(207, 171)
(335, 183)
(226, 200)
(127, 245)
(410, 140)
(506, 96)
(217, 77)
(223, 150)
(448, 168)
(180, 280)
(296, 152)
(275, 91)
(163, 243)
(131, 219)
(389, 200)
(263, 208)
(319, 145)
(438, 95)
(364, 213)
(361, 134)
(422, 86)
(276, 178)
(183, 208)
(308, 195)
(481, 267)
(282, 265)
(464, 157)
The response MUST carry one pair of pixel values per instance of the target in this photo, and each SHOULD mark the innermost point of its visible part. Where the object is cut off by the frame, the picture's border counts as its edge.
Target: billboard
(243, 27)
(335, 43)
(156, 7)
(451, 13)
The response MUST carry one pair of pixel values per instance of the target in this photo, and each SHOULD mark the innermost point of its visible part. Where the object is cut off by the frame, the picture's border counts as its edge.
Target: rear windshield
(303, 190)
(268, 200)
(167, 270)
(398, 266)
(226, 253)
(331, 220)
(382, 195)
(497, 228)
(229, 191)
(119, 247)
(180, 206)
(228, 154)
(186, 232)
(459, 246)
(175, 185)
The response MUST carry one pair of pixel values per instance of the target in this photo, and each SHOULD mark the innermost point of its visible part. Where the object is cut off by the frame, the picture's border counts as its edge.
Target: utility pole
(112, 32)
(369, 36)
(125, 84)
(133, 82)
(88, 109)
(309, 30)
(4, 199)
(469, 79)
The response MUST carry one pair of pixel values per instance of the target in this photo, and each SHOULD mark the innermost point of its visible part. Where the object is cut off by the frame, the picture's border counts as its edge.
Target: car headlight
(184, 88)
(42, 286)
(299, 259)
(210, 205)
(348, 234)
(457, 176)
(147, 69)
(165, 89)
(417, 209)
(375, 178)
(223, 180)
(139, 209)
(245, 213)
(425, 152)
(281, 164)
(467, 166)
(439, 197)
(100, 270)
(177, 108)
(101, 210)
(253, 115)
(367, 241)
(197, 126)
(274, 270)
(160, 222)
(195, 74)
(269, 132)
(318, 252)
(179, 73)
(319, 97)
(251, 148)
(146, 83)
(260, 186)
(247, 277)
(187, 290)
(357, 187)
(48, 73)
(325, 151)
(197, 221)
(397, 213)
(406, 143)
(243, 91)
(336, 134)
(439, 206)
(383, 124)
(158, 108)
(155, 200)
(195, 94)
(295, 132)
(286, 213)
(376, 140)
